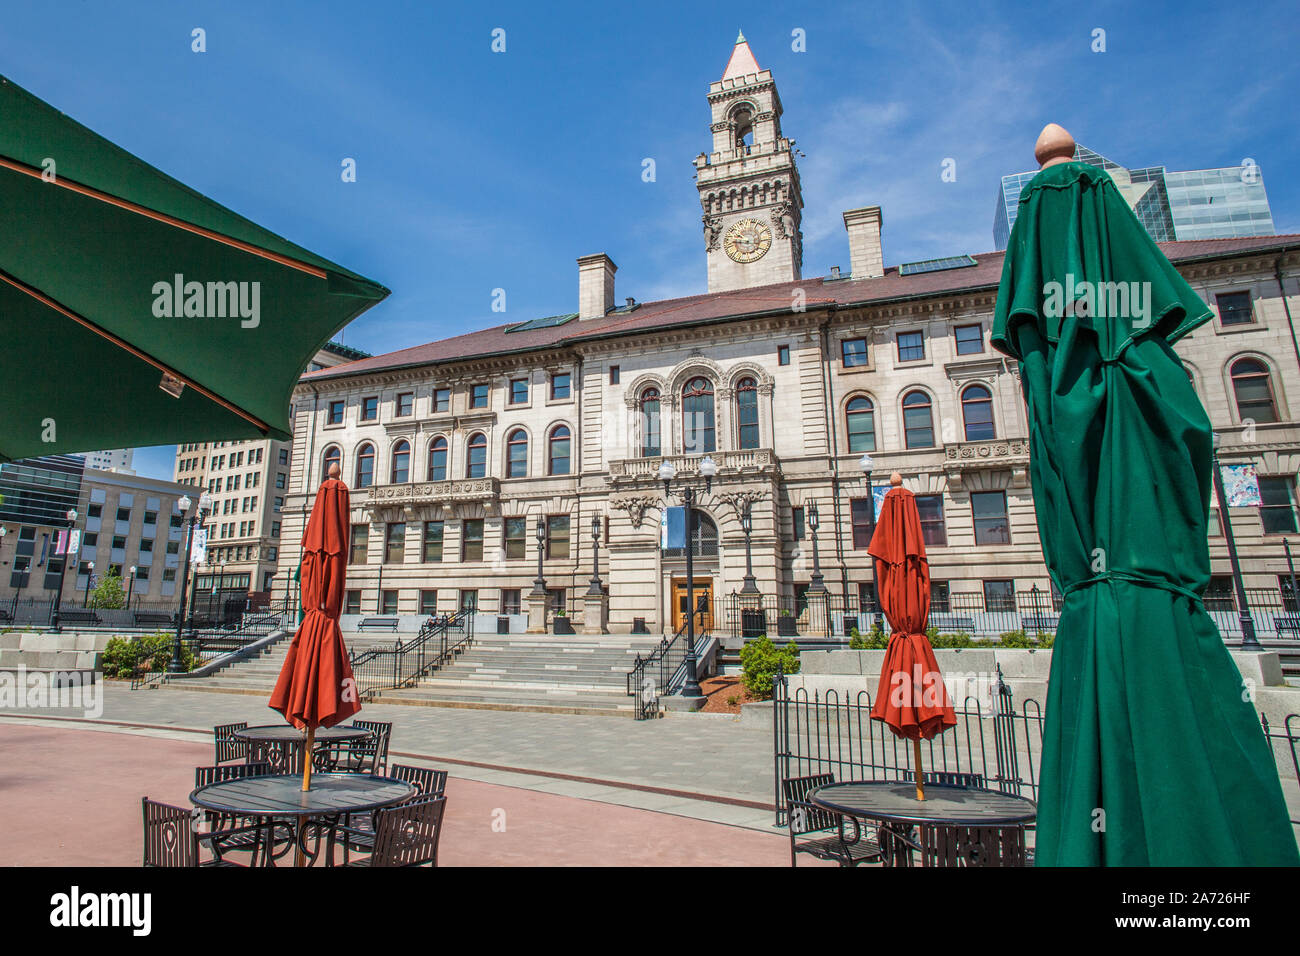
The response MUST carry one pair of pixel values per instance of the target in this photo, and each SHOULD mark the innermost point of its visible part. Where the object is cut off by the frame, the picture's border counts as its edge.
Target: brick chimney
(595, 286)
(866, 261)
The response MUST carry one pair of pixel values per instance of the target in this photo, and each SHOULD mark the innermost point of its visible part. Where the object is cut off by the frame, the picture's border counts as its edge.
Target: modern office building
(248, 481)
(1198, 204)
(461, 452)
(117, 459)
(123, 522)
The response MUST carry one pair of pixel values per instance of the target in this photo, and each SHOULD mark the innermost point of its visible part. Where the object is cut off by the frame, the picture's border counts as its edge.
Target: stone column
(595, 614)
(536, 613)
(817, 615)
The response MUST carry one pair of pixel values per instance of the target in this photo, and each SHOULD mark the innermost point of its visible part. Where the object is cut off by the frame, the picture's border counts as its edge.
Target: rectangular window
(560, 385)
(557, 536)
(866, 599)
(854, 352)
(429, 602)
(370, 408)
(469, 600)
(432, 542)
(405, 404)
(123, 514)
(518, 391)
(939, 602)
(911, 346)
(151, 517)
(119, 542)
(442, 399)
(478, 396)
(360, 541)
(932, 527)
(335, 416)
(783, 355)
(395, 542)
(511, 602)
(989, 509)
(613, 374)
(796, 519)
(284, 456)
(1219, 594)
(556, 599)
(970, 339)
(1234, 308)
(389, 603)
(863, 514)
(146, 545)
(277, 507)
(999, 596)
(1276, 511)
(516, 538)
(471, 539)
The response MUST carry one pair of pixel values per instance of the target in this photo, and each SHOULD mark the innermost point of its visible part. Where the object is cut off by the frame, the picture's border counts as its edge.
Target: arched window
(365, 466)
(747, 412)
(977, 413)
(476, 459)
(333, 456)
(703, 537)
(517, 454)
(698, 430)
(861, 415)
(558, 452)
(918, 422)
(1254, 391)
(438, 459)
(650, 446)
(400, 473)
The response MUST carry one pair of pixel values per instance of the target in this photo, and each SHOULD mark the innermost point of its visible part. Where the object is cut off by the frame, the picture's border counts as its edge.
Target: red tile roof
(743, 303)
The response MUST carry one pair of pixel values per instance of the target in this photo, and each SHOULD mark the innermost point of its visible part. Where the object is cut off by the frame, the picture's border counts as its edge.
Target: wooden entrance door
(703, 590)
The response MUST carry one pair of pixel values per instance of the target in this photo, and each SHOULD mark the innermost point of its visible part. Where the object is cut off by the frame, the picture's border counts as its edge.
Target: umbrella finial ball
(895, 479)
(335, 470)
(1055, 145)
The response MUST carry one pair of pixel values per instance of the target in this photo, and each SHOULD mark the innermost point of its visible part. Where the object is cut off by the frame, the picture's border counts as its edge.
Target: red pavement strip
(72, 798)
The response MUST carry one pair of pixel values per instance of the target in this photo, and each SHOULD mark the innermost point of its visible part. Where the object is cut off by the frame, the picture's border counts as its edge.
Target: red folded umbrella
(911, 698)
(316, 687)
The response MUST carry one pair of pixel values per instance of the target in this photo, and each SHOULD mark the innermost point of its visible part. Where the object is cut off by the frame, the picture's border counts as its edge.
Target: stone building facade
(456, 450)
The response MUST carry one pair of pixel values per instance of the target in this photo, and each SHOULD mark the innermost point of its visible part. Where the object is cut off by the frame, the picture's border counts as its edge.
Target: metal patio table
(281, 745)
(893, 804)
(280, 797)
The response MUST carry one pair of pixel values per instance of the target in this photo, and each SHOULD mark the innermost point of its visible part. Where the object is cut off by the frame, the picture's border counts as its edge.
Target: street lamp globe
(814, 520)
(708, 468)
(666, 471)
(865, 463)
(132, 569)
(205, 502)
(541, 529)
(595, 527)
(184, 503)
(71, 515)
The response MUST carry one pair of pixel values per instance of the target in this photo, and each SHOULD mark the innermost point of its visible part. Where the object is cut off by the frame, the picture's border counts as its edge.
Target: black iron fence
(33, 612)
(834, 733)
(979, 616)
(402, 663)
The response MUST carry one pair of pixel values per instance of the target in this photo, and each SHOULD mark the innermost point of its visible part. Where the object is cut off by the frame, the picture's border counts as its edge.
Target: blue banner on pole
(673, 529)
(878, 493)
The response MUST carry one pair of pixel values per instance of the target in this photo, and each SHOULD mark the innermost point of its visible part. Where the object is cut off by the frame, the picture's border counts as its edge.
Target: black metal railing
(401, 664)
(835, 734)
(79, 613)
(1284, 742)
(209, 643)
(663, 670)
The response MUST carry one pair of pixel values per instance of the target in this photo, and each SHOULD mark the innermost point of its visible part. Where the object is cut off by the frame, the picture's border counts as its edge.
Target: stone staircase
(522, 672)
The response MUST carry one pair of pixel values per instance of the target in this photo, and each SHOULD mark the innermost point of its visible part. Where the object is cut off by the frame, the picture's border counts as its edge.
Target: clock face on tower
(747, 240)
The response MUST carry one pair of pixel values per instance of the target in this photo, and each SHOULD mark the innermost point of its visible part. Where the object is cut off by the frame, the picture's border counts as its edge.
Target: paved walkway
(71, 796)
(698, 766)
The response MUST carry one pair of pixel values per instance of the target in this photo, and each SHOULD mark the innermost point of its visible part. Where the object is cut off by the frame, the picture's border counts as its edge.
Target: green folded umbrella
(134, 311)
(1152, 754)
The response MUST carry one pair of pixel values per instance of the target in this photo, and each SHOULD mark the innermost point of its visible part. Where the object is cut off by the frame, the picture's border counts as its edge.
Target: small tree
(108, 593)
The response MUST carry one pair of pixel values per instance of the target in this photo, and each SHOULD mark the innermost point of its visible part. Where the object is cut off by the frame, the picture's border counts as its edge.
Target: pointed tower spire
(740, 37)
(742, 62)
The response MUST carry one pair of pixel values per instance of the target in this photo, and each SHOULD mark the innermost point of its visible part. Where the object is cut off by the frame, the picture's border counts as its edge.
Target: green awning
(1152, 755)
(113, 274)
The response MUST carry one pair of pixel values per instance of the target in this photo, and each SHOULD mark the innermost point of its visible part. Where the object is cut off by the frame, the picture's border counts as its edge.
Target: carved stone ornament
(635, 506)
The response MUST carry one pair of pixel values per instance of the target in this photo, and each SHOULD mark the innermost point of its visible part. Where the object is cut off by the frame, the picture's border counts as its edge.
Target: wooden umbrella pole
(306, 759)
(920, 780)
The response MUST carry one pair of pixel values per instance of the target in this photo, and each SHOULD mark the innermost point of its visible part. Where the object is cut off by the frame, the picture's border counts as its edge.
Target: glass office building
(1199, 204)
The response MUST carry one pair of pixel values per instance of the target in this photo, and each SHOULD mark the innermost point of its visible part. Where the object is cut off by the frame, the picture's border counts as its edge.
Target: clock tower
(749, 184)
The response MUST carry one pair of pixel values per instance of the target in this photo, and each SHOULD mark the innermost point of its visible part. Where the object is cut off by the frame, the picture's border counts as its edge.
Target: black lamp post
(1249, 642)
(595, 590)
(90, 583)
(747, 525)
(130, 588)
(666, 473)
(814, 522)
(195, 514)
(866, 464)
(539, 582)
(71, 515)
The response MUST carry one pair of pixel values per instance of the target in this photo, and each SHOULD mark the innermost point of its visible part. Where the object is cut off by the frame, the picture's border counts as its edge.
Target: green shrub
(760, 659)
(109, 593)
(153, 650)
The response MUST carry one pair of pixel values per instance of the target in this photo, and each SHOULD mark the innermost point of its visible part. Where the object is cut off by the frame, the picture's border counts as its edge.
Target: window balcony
(639, 471)
(999, 454)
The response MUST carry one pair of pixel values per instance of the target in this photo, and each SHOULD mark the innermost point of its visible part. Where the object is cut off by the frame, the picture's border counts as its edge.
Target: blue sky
(479, 170)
